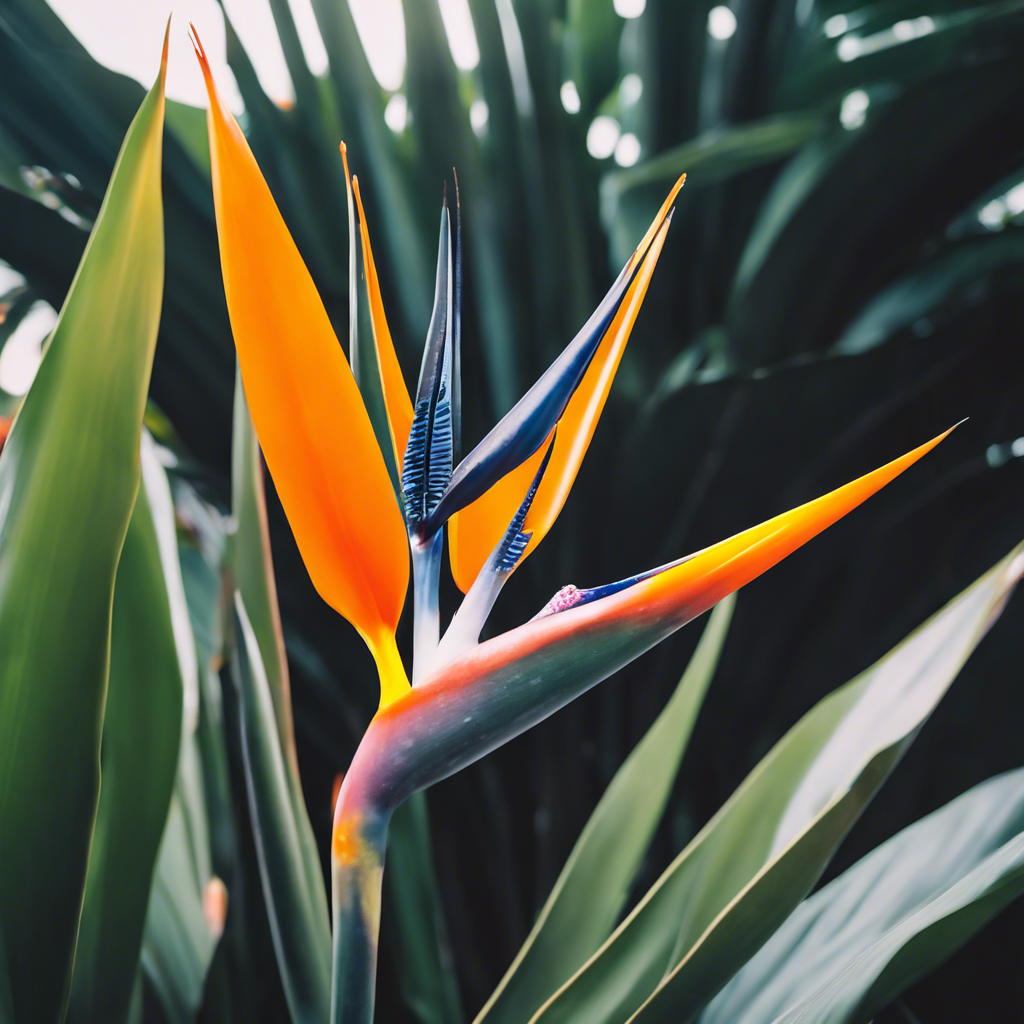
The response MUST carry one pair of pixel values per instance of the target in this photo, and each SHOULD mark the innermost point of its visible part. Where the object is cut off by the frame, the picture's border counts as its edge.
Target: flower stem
(426, 571)
(357, 870)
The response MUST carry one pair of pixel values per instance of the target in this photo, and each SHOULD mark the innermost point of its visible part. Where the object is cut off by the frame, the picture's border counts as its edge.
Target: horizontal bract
(500, 688)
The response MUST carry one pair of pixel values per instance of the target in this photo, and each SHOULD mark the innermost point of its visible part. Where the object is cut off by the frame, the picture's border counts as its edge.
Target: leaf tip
(163, 56)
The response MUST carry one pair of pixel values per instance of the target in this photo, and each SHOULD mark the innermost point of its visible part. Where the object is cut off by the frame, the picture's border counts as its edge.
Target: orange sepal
(309, 416)
(397, 402)
(473, 532)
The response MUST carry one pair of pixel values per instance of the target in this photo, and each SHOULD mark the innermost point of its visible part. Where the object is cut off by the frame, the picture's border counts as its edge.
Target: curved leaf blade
(848, 949)
(69, 475)
(141, 739)
(740, 878)
(297, 908)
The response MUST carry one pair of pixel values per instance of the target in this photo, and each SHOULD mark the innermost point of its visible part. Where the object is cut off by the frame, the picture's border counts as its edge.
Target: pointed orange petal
(659, 219)
(707, 576)
(605, 634)
(309, 416)
(397, 402)
(473, 532)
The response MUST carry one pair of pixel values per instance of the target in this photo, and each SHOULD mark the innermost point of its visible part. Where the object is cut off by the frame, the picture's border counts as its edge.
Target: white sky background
(126, 34)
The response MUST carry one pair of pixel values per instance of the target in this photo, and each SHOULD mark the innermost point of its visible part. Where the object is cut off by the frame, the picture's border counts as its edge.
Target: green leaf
(940, 282)
(252, 568)
(296, 907)
(715, 156)
(848, 950)
(415, 919)
(69, 475)
(760, 855)
(151, 648)
(180, 938)
(592, 889)
(253, 575)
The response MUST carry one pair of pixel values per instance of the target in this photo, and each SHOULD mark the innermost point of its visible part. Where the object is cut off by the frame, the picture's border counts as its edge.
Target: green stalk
(357, 872)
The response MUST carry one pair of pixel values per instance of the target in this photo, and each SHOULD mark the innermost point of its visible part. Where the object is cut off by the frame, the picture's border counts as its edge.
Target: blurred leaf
(740, 878)
(252, 569)
(360, 103)
(941, 282)
(878, 52)
(713, 157)
(189, 125)
(590, 42)
(180, 940)
(426, 974)
(592, 889)
(151, 649)
(850, 192)
(68, 480)
(848, 950)
(296, 903)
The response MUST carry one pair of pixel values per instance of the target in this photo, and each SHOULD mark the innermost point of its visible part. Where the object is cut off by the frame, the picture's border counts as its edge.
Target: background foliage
(844, 278)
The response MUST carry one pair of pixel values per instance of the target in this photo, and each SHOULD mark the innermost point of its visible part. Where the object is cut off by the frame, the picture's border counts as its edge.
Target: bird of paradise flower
(356, 534)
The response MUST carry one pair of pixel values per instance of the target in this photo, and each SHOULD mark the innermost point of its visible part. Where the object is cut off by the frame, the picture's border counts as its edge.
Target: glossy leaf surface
(750, 866)
(296, 903)
(150, 652)
(849, 949)
(69, 475)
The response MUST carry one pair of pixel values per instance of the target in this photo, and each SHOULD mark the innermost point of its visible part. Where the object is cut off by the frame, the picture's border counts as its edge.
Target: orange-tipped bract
(309, 416)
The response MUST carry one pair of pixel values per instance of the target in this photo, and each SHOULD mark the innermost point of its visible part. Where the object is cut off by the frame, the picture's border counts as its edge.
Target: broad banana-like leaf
(310, 418)
(69, 475)
(151, 650)
(848, 950)
(296, 904)
(594, 884)
(760, 855)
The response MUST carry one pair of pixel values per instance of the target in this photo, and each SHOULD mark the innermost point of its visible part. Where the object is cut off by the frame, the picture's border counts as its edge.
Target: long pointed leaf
(253, 575)
(151, 650)
(69, 475)
(825, 958)
(298, 921)
(741, 877)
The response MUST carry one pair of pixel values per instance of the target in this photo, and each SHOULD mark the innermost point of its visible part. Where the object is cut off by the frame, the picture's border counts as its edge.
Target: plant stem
(426, 570)
(357, 870)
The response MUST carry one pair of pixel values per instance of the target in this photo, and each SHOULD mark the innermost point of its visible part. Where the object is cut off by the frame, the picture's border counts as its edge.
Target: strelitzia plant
(357, 531)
